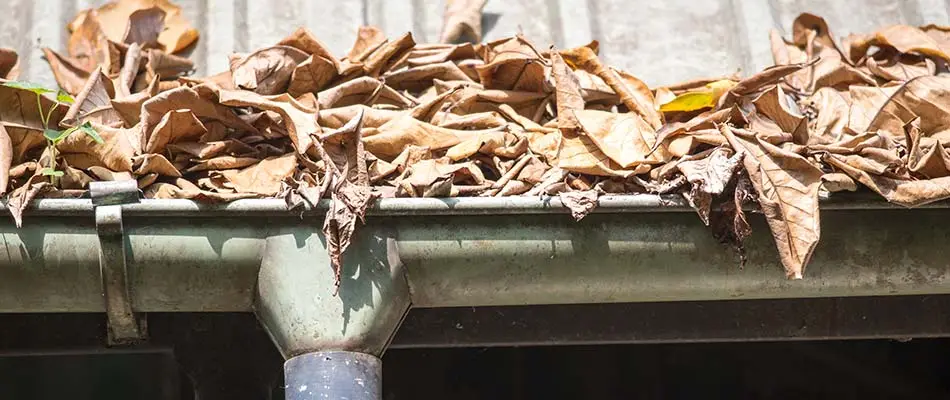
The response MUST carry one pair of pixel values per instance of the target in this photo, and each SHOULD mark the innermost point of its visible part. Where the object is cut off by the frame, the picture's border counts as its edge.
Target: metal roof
(662, 42)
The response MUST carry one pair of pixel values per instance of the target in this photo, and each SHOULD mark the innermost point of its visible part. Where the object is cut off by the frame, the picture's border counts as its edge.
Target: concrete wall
(661, 41)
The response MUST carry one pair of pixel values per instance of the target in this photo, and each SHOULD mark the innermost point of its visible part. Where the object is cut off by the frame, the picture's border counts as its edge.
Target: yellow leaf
(706, 97)
(690, 101)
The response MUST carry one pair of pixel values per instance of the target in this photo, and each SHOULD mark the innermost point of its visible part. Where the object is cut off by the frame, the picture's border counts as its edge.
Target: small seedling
(53, 136)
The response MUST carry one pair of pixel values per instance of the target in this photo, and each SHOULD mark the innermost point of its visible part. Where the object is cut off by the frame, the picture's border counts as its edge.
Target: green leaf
(51, 172)
(33, 87)
(89, 130)
(54, 135)
(64, 97)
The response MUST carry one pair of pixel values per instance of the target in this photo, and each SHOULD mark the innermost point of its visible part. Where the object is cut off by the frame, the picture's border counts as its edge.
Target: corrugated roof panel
(660, 41)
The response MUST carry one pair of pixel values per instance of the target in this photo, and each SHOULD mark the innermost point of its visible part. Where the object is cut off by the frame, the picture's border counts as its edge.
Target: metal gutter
(186, 256)
(424, 206)
(255, 255)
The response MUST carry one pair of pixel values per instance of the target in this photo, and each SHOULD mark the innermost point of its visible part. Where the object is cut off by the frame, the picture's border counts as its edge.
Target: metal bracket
(124, 326)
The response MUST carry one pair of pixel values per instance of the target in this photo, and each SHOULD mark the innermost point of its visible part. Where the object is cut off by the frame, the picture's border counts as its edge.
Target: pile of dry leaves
(393, 118)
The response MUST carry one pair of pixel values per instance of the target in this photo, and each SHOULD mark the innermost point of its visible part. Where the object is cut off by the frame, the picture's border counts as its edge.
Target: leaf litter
(396, 118)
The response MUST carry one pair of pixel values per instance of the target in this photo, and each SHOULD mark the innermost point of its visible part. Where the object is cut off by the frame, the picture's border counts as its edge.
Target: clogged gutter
(393, 118)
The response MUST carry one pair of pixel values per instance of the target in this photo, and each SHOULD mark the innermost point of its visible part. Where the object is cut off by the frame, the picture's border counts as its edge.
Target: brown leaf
(201, 105)
(708, 177)
(68, 74)
(903, 38)
(6, 159)
(380, 60)
(88, 46)
(312, 75)
(831, 111)
(580, 154)
(263, 178)
(205, 150)
(580, 203)
(569, 97)
(178, 125)
(365, 90)
(304, 40)
(299, 121)
(462, 19)
(894, 66)
(838, 182)
(787, 186)
(20, 197)
(348, 183)
(926, 156)
(927, 97)
(418, 78)
(145, 25)
(222, 162)
(154, 163)
(163, 190)
(625, 138)
(397, 134)
(94, 103)
(866, 102)
(334, 118)
(114, 153)
(114, 17)
(74, 179)
(634, 94)
(425, 54)
(161, 65)
(908, 193)
(105, 174)
(130, 107)
(368, 39)
(513, 64)
(9, 64)
(267, 71)
(781, 108)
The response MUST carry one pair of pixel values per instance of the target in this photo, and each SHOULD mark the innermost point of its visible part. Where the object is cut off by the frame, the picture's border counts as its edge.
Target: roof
(709, 37)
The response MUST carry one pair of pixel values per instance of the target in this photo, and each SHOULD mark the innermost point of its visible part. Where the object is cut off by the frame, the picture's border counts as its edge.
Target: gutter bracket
(125, 327)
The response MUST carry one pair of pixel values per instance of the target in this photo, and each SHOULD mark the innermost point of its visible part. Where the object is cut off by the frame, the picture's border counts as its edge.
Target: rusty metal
(124, 326)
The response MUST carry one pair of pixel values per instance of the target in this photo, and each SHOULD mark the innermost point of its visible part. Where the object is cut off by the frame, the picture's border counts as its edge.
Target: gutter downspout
(256, 255)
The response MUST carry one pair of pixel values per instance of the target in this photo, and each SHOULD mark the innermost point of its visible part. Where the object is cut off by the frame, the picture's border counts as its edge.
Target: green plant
(53, 136)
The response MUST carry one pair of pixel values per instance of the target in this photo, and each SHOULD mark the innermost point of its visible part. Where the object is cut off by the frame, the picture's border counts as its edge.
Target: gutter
(255, 255)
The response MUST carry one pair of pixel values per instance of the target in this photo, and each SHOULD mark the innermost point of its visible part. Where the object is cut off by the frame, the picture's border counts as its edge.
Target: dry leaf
(9, 64)
(6, 159)
(625, 138)
(20, 197)
(145, 25)
(462, 19)
(174, 126)
(114, 17)
(708, 177)
(787, 187)
(263, 178)
(580, 203)
(94, 103)
(114, 153)
(299, 121)
(569, 96)
(267, 71)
